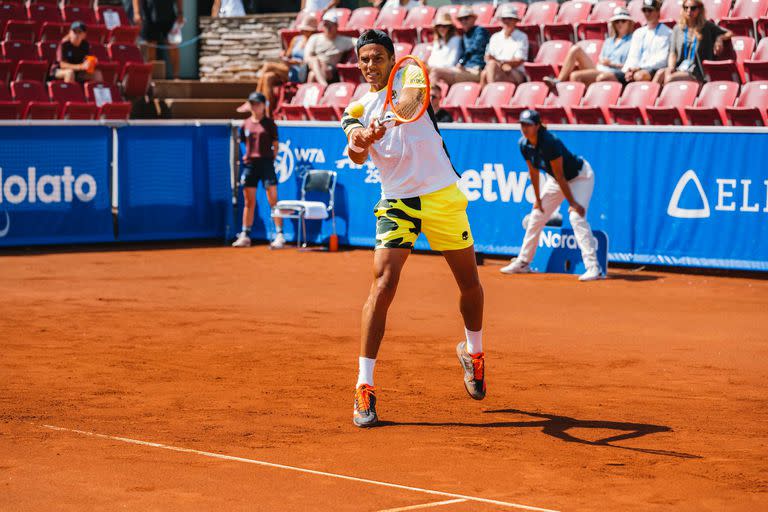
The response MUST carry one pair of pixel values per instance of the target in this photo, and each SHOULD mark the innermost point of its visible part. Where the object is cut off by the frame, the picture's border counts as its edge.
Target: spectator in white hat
(649, 49)
(325, 50)
(472, 60)
(578, 66)
(507, 50)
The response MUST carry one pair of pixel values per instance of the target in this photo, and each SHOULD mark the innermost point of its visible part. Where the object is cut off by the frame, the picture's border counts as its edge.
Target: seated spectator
(404, 4)
(292, 67)
(436, 96)
(694, 39)
(227, 8)
(578, 66)
(649, 49)
(324, 50)
(446, 47)
(507, 50)
(321, 6)
(472, 60)
(72, 64)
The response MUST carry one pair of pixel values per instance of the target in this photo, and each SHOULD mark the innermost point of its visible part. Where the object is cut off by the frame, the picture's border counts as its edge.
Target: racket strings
(409, 108)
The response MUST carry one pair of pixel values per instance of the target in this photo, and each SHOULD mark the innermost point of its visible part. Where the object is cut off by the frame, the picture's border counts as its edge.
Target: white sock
(365, 372)
(474, 341)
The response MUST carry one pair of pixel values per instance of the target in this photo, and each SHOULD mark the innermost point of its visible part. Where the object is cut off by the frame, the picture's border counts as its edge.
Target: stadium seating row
(679, 103)
(27, 99)
(543, 20)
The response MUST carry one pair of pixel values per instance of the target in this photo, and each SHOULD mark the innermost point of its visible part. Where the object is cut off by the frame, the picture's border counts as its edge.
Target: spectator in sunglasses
(441, 115)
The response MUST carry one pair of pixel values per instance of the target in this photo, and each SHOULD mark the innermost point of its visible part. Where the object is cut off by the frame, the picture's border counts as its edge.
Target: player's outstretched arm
(360, 140)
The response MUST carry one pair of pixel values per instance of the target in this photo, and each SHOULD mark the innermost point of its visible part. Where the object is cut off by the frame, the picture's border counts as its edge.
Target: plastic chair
(571, 13)
(111, 16)
(9, 109)
(82, 13)
(123, 53)
(402, 49)
(307, 95)
(7, 68)
(46, 50)
(756, 68)
(21, 30)
(315, 182)
(486, 108)
(110, 71)
(670, 11)
(717, 9)
(536, 16)
(730, 69)
(635, 8)
(124, 34)
(40, 13)
(595, 103)
(751, 107)
(35, 103)
(335, 99)
(53, 31)
(459, 96)
(361, 19)
(741, 21)
(596, 27)
(100, 51)
(390, 17)
(71, 98)
(135, 79)
(115, 108)
(417, 19)
(670, 107)
(422, 51)
(592, 47)
(548, 60)
(709, 107)
(8, 12)
(527, 95)
(557, 107)
(484, 13)
(28, 64)
(360, 91)
(630, 108)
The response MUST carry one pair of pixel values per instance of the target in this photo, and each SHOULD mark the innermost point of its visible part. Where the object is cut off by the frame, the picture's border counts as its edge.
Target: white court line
(424, 505)
(297, 469)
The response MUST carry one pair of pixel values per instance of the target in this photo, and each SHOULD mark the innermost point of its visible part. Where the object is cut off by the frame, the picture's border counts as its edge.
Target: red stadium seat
(306, 96)
(762, 27)
(111, 16)
(99, 51)
(484, 13)
(402, 49)
(527, 95)
(459, 96)
(110, 71)
(110, 107)
(631, 106)
(348, 70)
(521, 7)
(422, 51)
(595, 103)
(635, 8)
(731, 69)
(53, 31)
(123, 52)
(596, 27)
(46, 50)
(79, 13)
(124, 34)
(9, 109)
(390, 17)
(7, 68)
(709, 108)
(752, 106)
(10, 11)
(756, 68)
(135, 79)
(717, 9)
(670, 11)
(19, 50)
(548, 60)
(557, 107)
(71, 98)
(35, 103)
(670, 107)
(361, 19)
(20, 30)
(78, 2)
(592, 47)
(743, 15)
(44, 12)
(485, 109)
(335, 99)
(571, 13)
(360, 91)
(97, 34)
(28, 63)
(417, 19)
(536, 16)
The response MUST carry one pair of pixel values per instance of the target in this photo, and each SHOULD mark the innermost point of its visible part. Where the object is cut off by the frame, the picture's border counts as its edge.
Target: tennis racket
(407, 92)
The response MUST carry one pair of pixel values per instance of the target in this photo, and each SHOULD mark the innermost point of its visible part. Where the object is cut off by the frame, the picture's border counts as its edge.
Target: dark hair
(375, 36)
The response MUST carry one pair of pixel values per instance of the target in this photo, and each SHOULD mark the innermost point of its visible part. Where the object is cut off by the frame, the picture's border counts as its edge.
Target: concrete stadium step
(199, 108)
(186, 89)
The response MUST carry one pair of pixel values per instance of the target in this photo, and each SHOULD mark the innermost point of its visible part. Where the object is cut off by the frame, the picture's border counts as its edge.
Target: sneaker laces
(363, 398)
(478, 365)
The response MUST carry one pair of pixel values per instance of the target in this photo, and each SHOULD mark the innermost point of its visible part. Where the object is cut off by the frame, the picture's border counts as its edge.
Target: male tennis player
(419, 194)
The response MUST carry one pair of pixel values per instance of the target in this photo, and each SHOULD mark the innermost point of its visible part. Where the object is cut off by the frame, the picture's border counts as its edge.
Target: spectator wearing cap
(648, 50)
(436, 96)
(403, 4)
(227, 8)
(291, 67)
(446, 46)
(694, 39)
(324, 50)
(578, 66)
(507, 50)
(72, 63)
(570, 178)
(259, 134)
(472, 60)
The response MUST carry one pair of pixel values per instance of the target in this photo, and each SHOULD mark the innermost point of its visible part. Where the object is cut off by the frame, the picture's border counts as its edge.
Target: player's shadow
(636, 278)
(558, 426)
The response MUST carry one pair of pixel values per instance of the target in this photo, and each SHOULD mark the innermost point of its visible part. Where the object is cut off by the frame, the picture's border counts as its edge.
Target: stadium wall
(667, 196)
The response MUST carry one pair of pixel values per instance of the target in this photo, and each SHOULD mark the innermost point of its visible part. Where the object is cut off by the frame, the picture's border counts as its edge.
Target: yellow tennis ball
(356, 110)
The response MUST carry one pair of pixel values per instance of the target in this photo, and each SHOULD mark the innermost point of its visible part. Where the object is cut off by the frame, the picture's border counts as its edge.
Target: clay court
(219, 379)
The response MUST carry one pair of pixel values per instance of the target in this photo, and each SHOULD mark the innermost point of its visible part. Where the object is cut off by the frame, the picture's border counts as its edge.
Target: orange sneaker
(365, 406)
(474, 371)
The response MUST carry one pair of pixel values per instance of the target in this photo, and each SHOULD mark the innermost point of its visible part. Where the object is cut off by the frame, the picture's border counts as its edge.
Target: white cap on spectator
(620, 13)
(508, 11)
(465, 11)
(331, 17)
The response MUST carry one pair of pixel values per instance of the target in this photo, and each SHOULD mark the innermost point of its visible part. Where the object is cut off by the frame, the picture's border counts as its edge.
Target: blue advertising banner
(558, 252)
(54, 185)
(174, 182)
(669, 198)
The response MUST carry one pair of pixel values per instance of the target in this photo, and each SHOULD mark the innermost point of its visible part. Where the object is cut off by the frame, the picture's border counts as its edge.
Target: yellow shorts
(440, 215)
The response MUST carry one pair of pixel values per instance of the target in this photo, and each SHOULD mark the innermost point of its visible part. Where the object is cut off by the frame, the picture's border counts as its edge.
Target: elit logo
(732, 196)
(674, 209)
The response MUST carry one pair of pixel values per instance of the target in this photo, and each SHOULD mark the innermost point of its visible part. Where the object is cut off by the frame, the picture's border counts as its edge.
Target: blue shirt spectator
(475, 43)
(472, 59)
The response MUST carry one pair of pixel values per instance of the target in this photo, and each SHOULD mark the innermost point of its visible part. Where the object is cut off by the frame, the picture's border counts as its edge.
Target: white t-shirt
(396, 3)
(231, 8)
(445, 55)
(649, 49)
(514, 47)
(411, 158)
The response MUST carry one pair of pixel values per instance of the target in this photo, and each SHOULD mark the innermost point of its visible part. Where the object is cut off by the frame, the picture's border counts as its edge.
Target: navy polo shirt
(549, 148)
